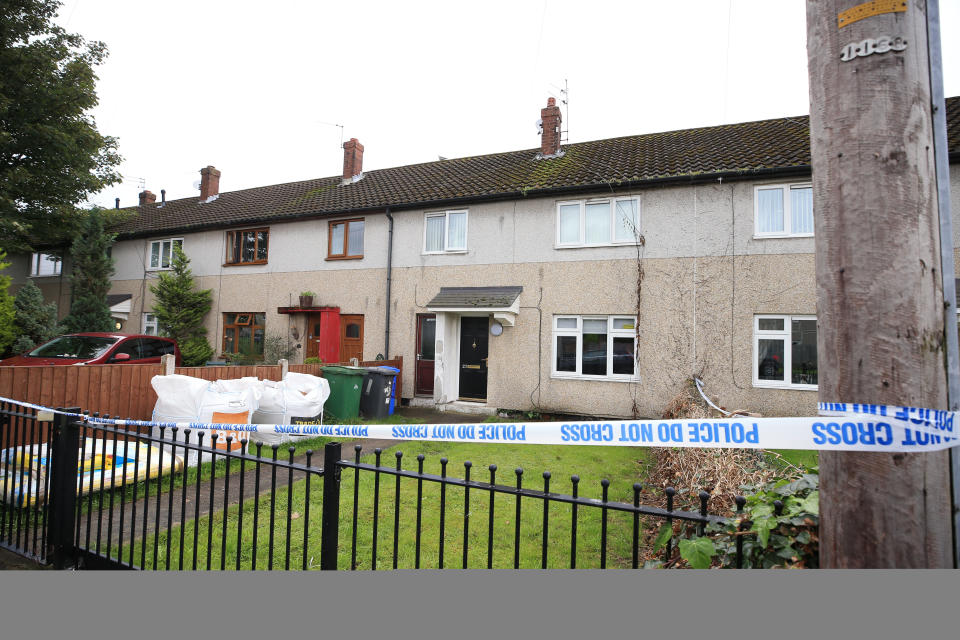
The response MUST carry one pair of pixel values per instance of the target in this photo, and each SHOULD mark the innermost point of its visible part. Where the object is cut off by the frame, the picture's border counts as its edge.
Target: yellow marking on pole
(870, 9)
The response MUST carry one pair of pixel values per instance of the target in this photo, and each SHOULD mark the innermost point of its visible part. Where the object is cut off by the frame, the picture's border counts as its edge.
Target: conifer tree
(90, 277)
(35, 320)
(180, 310)
(7, 333)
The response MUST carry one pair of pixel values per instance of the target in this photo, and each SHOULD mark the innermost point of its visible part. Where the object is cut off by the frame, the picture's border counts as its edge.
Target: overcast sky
(254, 88)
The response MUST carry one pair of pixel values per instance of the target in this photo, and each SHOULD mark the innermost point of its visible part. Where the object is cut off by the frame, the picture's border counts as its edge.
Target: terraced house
(591, 278)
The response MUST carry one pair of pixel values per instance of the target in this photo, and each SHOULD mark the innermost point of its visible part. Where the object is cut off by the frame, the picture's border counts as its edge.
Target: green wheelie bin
(345, 385)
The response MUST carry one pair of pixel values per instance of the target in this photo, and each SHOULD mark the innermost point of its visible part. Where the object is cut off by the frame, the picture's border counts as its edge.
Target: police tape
(855, 427)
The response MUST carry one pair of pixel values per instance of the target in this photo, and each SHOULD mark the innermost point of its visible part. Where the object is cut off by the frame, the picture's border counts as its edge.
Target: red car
(97, 348)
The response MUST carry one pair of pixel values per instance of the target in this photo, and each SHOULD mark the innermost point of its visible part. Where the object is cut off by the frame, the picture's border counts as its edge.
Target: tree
(7, 333)
(180, 310)
(51, 155)
(90, 277)
(35, 320)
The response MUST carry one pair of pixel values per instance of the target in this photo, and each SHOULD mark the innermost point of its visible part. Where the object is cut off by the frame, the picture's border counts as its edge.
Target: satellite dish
(196, 184)
(539, 125)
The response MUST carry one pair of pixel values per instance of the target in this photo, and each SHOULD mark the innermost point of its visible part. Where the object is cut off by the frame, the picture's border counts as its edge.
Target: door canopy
(503, 303)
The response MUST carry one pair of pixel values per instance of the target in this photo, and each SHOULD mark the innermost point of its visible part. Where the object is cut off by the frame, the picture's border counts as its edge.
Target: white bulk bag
(187, 399)
(297, 399)
(239, 384)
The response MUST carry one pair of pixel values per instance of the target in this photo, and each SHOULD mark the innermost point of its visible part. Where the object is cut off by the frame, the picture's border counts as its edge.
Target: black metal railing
(520, 494)
(173, 515)
(25, 466)
(115, 498)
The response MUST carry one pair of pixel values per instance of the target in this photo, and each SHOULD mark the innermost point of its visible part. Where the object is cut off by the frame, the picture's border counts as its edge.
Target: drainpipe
(386, 337)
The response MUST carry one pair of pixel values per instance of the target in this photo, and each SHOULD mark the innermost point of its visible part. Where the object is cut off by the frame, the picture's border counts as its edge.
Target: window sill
(244, 264)
(781, 236)
(344, 258)
(556, 376)
(45, 275)
(784, 385)
(444, 253)
(595, 246)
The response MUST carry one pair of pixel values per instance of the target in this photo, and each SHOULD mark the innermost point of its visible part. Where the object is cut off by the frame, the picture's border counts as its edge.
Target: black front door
(473, 358)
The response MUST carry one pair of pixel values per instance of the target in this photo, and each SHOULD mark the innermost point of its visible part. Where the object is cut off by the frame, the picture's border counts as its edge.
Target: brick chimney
(147, 197)
(352, 160)
(209, 182)
(550, 138)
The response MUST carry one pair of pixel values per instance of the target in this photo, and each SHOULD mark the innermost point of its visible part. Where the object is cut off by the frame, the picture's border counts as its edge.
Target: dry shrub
(720, 472)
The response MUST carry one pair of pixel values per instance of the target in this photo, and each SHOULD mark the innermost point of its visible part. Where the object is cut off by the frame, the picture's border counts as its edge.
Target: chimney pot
(163, 195)
(147, 197)
(352, 159)
(550, 138)
(117, 203)
(209, 182)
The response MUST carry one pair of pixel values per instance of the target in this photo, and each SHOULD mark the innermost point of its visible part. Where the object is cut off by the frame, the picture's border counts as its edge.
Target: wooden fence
(124, 390)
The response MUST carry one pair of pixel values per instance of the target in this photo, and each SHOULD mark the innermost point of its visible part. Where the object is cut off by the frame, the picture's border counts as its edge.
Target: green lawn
(621, 465)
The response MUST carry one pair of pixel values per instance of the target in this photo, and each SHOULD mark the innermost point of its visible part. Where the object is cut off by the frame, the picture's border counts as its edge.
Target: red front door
(323, 335)
(426, 339)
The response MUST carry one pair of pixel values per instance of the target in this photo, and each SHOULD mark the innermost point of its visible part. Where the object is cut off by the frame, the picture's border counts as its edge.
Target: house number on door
(869, 46)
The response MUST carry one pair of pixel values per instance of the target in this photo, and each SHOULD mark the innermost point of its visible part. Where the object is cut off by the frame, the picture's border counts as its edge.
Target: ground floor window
(595, 347)
(785, 351)
(45, 264)
(243, 333)
(150, 324)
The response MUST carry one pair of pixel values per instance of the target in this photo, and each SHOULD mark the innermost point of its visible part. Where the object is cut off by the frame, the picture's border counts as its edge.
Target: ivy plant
(785, 537)
(781, 523)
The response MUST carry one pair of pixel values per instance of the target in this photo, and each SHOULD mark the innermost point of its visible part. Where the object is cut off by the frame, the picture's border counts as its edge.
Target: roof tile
(779, 144)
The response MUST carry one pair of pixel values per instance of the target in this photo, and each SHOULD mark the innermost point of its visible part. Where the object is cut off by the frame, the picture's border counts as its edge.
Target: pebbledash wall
(706, 276)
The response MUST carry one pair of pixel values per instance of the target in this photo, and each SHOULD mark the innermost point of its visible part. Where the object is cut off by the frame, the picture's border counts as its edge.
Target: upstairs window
(598, 223)
(247, 246)
(345, 240)
(784, 211)
(445, 232)
(44, 264)
(161, 252)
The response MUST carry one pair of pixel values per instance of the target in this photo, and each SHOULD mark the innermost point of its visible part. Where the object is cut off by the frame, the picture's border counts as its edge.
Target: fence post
(168, 364)
(284, 368)
(330, 519)
(63, 486)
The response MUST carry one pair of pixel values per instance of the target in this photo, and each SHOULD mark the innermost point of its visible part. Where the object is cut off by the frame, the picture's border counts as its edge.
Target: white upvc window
(598, 222)
(45, 264)
(150, 324)
(161, 253)
(595, 347)
(783, 210)
(445, 232)
(785, 351)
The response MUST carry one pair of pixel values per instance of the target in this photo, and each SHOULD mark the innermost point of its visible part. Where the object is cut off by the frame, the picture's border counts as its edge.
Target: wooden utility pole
(880, 295)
